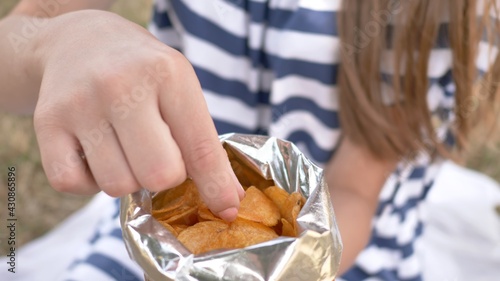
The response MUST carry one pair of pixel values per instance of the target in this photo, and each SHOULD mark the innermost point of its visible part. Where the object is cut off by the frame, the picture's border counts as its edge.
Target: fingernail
(228, 214)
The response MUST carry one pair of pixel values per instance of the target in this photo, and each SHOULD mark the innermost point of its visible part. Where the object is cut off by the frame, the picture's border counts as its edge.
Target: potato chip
(289, 206)
(292, 205)
(171, 198)
(212, 235)
(257, 207)
(243, 233)
(204, 214)
(263, 214)
(291, 209)
(295, 215)
(183, 194)
(169, 228)
(165, 215)
(179, 228)
(203, 236)
(187, 217)
(246, 173)
(288, 229)
(277, 195)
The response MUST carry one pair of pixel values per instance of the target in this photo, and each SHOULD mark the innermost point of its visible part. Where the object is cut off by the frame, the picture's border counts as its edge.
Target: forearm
(353, 214)
(355, 179)
(20, 71)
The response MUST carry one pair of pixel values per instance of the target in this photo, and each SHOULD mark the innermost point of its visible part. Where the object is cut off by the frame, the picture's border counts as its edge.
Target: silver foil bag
(258, 161)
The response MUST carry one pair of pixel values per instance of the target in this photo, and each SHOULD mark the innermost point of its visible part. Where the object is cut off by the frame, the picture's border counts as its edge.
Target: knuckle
(44, 120)
(172, 66)
(70, 176)
(202, 155)
(79, 100)
(65, 182)
(164, 178)
(108, 76)
(110, 85)
(119, 188)
(177, 59)
(216, 198)
(60, 111)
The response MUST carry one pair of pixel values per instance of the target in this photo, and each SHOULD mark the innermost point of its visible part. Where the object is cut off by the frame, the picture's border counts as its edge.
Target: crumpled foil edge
(314, 255)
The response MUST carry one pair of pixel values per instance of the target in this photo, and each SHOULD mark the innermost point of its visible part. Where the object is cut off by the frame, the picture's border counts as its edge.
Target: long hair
(396, 122)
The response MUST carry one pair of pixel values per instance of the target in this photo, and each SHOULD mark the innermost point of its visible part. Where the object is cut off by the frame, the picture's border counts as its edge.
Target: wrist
(20, 58)
(26, 40)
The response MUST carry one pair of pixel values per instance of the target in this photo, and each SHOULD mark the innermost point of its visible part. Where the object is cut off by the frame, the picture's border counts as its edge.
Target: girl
(375, 91)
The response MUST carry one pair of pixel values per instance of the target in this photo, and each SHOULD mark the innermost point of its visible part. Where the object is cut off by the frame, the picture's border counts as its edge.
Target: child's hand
(131, 107)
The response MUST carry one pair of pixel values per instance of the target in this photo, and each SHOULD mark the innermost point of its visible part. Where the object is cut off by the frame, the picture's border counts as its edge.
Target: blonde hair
(403, 127)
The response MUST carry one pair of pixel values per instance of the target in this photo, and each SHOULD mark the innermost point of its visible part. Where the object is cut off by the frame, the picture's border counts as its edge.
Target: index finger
(183, 107)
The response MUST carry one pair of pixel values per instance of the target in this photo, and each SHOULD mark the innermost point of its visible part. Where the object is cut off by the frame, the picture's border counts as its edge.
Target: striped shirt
(270, 67)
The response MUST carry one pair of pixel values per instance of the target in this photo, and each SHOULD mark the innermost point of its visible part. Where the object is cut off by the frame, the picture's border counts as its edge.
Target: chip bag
(293, 195)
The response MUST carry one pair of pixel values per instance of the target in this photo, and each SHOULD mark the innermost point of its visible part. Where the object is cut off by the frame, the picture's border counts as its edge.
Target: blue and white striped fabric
(269, 67)
(265, 67)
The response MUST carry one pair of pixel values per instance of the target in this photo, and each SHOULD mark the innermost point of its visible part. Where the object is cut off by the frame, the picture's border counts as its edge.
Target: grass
(39, 207)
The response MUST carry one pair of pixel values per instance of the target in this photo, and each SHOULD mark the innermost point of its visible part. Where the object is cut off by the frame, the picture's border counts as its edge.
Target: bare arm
(355, 179)
(18, 74)
(103, 87)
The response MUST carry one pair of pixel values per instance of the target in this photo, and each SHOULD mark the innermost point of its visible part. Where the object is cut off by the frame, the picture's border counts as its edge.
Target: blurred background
(39, 207)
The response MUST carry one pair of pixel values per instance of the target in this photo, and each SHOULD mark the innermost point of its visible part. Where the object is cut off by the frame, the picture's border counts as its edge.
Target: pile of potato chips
(264, 214)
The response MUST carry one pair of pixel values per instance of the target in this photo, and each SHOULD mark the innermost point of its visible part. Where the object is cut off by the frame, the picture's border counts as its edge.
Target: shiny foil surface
(259, 161)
